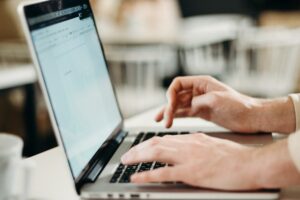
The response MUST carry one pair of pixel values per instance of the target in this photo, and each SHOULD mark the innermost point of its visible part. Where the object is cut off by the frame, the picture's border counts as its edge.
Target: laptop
(84, 111)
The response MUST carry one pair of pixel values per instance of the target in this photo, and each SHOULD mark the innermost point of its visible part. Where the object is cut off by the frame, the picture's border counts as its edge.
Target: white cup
(15, 173)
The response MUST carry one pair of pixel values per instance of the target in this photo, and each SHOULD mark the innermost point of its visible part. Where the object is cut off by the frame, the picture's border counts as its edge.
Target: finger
(197, 84)
(192, 112)
(155, 149)
(185, 98)
(204, 105)
(159, 154)
(189, 111)
(182, 140)
(185, 112)
(185, 91)
(177, 85)
(169, 116)
(160, 115)
(185, 94)
(164, 174)
(201, 101)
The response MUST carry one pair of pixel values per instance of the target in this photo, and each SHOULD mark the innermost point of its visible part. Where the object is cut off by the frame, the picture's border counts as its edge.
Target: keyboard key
(123, 172)
(158, 165)
(124, 180)
(172, 133)
(121, 167)
(184, 133)
(137, 139)
(148, 136)
(146, 166)
(126, 176)
(113, 180)
(161, 134)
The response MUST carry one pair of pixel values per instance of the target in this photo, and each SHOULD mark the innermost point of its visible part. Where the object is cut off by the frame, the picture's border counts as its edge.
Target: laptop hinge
(106, 155)
(94, 172)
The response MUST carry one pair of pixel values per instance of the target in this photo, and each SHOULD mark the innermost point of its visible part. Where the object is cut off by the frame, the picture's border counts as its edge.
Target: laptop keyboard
(123, 172)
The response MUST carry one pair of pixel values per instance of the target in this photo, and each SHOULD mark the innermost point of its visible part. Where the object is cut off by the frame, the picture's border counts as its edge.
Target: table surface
(52, 179)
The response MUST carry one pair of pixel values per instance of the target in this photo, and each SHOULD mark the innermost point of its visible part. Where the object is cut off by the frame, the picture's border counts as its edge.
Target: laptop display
(76, 77)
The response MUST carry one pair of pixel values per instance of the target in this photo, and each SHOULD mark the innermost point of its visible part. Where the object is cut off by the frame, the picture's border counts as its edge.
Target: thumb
(202, 105)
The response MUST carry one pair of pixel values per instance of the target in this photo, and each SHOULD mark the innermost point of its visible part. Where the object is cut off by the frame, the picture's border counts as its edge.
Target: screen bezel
(114, 138)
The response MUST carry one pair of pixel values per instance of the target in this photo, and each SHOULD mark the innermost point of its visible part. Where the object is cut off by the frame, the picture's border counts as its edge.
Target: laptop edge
(111, 145)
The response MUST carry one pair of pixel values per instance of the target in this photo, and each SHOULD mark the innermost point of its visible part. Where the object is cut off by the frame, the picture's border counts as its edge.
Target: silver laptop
(73, 74)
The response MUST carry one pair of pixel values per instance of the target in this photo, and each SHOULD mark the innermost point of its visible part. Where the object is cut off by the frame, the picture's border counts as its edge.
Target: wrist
(274, 115)
(250, 169)
(272, 166)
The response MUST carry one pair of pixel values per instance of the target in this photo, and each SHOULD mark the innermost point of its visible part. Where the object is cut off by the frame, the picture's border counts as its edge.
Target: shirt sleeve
(296, 102)
(294, 148)
(294, 139)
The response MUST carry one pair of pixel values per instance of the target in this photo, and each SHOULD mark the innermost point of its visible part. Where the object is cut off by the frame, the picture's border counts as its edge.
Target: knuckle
(194, 145)
(154, 141)
(156, 153)
(208, 78)
(176, 79)
(167, 136)
(145, 176)
(214, 99)
(199, 134)
(200, 137)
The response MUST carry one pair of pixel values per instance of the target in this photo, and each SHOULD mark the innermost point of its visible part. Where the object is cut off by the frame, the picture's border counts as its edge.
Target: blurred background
(252, 45)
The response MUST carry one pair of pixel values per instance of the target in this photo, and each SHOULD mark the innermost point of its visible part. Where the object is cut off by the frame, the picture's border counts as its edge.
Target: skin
(209, 162)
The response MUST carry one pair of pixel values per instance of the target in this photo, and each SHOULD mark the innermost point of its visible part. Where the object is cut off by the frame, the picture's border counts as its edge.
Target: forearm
(275, 115)
(273, 167)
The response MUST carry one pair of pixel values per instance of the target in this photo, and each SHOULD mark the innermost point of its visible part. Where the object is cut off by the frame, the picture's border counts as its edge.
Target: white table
(52, 179)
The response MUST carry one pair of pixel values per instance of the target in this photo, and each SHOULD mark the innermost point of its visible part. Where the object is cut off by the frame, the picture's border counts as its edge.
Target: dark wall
(247, 7)
(281, 5)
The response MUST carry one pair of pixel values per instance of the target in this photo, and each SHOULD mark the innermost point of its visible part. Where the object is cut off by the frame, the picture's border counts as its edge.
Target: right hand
(207, 98)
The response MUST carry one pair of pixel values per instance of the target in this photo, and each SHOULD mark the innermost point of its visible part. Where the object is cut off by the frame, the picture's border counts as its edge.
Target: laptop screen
(75, 75)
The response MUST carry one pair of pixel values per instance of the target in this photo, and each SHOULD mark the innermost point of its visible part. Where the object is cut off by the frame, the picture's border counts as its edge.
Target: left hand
(197, 160)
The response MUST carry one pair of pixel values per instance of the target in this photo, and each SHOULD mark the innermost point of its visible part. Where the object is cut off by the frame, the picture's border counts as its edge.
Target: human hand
(207, 98)
(197, 160)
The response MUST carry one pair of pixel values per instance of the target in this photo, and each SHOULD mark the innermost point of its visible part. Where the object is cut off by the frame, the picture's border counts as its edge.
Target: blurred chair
(16, 68)
(17, 82)
(207, 43)
(137, 72)
(267, 62)
(13, 53)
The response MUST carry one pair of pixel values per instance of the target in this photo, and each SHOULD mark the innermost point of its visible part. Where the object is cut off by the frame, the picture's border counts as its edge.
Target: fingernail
(125, 158)
(168, 123)
(133, 178)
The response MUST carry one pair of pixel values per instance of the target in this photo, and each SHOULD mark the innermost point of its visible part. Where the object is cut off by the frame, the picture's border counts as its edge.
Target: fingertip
(169, 124)
(160, 115)
(124, 159)
(136, 178)
(127, 158)
(158, 118)
(133, 178)
(169, 118)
